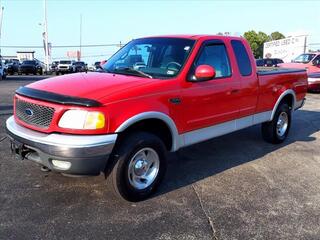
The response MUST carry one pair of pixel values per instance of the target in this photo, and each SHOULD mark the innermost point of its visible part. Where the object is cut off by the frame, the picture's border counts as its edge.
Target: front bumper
(27, 70)
(88, 155)
(67, 70)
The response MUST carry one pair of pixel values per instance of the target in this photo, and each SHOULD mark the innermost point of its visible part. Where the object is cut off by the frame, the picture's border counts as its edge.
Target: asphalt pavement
(233, 187)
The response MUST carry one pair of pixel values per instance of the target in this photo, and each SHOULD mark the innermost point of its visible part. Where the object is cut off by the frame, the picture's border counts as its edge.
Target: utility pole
(1, 17)
(46, 48)
(79, 58)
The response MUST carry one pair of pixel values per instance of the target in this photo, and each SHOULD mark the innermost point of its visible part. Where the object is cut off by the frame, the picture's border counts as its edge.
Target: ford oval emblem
(29, 112)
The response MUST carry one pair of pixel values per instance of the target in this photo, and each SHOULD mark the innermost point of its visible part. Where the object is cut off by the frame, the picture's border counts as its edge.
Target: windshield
(29, 62)
(304, 58)
(154, 57)
(65, 62)
(79, 63)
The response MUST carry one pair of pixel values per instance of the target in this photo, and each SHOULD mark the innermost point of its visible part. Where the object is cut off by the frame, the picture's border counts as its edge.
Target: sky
(109, 22)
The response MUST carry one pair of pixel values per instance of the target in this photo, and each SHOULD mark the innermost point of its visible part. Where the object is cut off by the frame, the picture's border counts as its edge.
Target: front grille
(34, 114)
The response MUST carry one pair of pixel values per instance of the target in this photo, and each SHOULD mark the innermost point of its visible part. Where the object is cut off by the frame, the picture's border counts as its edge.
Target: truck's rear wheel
(139, 166)
(276, 131)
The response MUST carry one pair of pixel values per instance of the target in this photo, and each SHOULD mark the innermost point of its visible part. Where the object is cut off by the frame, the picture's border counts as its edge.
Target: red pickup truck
(155, 95)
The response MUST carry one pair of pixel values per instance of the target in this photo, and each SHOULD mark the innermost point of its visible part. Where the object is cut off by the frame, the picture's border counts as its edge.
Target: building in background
(25, 55)
(285, 49)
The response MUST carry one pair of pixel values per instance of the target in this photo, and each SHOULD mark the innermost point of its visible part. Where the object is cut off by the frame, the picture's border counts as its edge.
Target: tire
(276, 131)
(126, 160)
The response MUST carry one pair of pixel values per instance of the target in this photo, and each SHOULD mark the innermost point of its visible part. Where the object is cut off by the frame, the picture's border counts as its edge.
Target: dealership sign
(286, 49)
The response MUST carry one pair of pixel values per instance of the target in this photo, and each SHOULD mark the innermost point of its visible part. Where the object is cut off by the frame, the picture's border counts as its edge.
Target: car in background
(308, 61)
(3, 70)
(65, 66)
(314, 82)
(30, 67)
(97, 65)
(268, 62)
(91, 68)
(80, 66)
(12, 66)
(53, 66)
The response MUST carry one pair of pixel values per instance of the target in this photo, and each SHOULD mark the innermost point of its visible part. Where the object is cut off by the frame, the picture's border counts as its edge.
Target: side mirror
(204, 73)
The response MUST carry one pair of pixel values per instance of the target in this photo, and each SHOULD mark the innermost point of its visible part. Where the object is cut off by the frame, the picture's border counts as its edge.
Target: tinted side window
(316, 60)
(216, 56)
(242, 57)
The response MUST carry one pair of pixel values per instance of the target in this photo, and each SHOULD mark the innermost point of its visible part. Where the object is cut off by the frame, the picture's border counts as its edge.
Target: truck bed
(277, 70)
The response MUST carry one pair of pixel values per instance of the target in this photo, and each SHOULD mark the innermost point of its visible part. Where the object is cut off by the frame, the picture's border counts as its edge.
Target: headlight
(80, 119)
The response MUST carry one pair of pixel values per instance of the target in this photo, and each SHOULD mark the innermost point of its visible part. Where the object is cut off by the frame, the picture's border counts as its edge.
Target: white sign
(285, 49)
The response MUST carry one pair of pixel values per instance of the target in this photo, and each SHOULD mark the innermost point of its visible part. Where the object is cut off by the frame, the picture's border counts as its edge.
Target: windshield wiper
(132, 72)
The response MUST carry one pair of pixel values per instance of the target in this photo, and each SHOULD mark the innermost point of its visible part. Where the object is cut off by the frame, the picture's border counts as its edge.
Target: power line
(65, 46)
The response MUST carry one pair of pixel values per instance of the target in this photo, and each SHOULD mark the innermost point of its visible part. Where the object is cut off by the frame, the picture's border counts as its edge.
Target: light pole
(1, 17)
(80, 53)
(46, 47)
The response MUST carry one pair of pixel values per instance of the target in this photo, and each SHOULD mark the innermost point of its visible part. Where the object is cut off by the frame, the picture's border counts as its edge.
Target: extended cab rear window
(242, 57)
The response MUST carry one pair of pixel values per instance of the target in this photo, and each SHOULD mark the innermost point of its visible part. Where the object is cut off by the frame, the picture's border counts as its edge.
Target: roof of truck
(193, 36)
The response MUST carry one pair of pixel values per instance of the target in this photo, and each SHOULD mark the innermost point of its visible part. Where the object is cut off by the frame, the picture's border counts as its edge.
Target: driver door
(212, 102)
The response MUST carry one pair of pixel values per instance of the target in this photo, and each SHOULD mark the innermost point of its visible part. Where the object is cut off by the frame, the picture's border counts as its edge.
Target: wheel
(57, 73)
(139, 163)
(276, 131)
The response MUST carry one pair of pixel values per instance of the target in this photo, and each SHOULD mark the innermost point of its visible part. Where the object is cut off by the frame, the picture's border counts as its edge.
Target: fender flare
(176, 140)
(284, 94)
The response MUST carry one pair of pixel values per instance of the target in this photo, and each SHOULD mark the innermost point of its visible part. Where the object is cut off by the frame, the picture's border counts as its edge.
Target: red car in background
(308, 61)
(314, 82)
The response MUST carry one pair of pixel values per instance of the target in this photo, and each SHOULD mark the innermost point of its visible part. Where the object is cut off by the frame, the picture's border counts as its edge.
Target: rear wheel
(139, 165)
(276, 131)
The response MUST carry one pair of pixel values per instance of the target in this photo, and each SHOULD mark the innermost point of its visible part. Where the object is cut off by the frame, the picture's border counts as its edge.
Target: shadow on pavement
(203, 160)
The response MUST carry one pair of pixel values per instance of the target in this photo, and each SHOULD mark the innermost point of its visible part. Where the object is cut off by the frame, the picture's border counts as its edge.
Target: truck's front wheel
(139, 164)
(276, 131)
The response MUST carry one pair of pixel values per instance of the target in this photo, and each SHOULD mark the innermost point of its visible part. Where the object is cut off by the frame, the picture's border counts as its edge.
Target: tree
(276, 36)
(257, 39)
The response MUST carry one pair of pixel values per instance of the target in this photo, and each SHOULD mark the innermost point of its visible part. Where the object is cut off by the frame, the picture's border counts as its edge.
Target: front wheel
(276, 131)
(139, 165)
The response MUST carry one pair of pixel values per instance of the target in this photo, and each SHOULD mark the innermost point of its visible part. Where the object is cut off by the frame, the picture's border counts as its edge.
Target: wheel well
(289, 100)
(154, 126)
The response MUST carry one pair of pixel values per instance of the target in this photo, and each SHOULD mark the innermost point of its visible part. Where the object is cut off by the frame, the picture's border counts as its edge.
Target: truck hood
(95, 85)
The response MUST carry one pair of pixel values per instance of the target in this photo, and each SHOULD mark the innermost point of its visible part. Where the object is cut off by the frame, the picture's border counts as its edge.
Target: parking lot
(233, 187)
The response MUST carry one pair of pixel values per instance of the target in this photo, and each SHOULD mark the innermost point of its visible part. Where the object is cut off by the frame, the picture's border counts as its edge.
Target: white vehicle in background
(65, 66)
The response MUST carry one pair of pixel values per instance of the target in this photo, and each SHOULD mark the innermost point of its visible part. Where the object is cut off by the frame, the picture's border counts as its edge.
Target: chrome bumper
(88, 155)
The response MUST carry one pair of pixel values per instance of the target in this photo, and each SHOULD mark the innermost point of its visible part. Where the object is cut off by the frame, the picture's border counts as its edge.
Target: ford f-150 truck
(155, 95)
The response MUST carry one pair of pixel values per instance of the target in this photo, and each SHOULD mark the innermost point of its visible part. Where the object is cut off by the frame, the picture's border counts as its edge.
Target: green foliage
(276, 36)
(257, 39)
